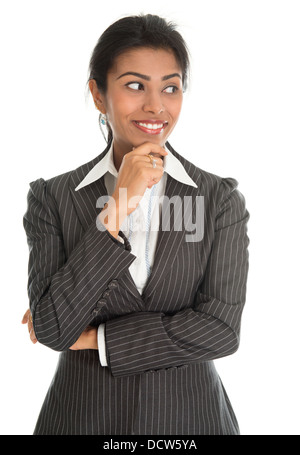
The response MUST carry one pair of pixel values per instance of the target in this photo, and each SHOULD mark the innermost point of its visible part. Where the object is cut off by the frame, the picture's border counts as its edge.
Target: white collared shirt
(135, 225)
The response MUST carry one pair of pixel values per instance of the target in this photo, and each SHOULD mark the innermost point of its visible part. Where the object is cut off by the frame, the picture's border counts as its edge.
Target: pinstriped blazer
(161, 345)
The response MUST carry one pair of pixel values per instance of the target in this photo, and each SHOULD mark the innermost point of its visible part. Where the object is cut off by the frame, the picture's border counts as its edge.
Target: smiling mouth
(154, 127)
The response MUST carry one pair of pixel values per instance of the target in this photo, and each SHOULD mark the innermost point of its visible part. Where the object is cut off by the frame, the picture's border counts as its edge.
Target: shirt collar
(172, 166)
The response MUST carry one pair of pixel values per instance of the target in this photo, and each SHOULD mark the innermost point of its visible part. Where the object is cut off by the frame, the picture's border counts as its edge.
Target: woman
(138, 259)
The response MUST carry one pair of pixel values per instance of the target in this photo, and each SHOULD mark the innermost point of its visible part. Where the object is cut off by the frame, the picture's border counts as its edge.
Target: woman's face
(144, 97)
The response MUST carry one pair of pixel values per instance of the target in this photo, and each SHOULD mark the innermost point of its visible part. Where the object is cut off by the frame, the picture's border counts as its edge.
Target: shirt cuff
(121, 238)
(102, 345)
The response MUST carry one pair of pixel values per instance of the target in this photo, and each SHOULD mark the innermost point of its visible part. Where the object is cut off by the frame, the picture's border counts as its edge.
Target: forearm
(64, 294)
(87, 340)
(210, 327)
(149, 341)
(112, 216)
(71, 300)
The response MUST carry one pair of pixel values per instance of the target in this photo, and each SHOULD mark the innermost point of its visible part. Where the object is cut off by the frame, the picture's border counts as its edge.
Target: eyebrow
(148, 78)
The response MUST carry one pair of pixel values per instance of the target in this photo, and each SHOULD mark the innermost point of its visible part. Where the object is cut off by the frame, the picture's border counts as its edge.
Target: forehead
(146, 61)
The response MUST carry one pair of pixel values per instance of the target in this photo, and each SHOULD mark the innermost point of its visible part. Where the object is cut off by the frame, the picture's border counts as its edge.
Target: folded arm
(210, 329)
(64, 294)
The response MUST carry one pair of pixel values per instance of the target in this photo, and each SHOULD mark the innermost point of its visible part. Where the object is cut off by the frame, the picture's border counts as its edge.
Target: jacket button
(113, 284)
(101, 303)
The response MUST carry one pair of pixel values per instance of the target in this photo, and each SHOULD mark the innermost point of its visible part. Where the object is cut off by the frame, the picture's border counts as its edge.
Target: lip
(137, 123)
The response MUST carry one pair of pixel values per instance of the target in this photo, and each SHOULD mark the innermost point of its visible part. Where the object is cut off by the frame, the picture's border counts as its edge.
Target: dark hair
(134, 32)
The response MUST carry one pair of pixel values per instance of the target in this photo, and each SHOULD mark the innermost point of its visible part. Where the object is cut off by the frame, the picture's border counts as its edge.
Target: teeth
(151, 126)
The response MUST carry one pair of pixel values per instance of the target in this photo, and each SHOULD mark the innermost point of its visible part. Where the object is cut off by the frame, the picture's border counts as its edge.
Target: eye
(171, 89)
(135, 86)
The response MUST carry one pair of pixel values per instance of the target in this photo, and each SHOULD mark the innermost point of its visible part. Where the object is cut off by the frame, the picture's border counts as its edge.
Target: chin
(158, 140)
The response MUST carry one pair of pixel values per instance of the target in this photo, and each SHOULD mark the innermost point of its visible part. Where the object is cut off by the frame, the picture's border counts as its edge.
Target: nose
(153, 103)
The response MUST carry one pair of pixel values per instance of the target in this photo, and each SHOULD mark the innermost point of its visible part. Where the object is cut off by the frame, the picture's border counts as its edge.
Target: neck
(119, 150)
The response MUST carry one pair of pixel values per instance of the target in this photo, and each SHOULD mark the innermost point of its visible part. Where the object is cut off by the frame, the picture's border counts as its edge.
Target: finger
(30, 324)
(158, 161)
(153, 182)
(151, 172)
(26, 317)
(146, 160)
(149, 147)
(156, 155)
(154, 178)
(32, 336)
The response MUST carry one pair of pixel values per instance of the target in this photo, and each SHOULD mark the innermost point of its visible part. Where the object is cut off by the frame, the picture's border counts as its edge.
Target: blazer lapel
(85, 202)
(85, 199)
(170, 241)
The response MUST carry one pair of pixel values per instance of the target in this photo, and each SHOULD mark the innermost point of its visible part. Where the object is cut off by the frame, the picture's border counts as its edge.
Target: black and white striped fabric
(161, 345)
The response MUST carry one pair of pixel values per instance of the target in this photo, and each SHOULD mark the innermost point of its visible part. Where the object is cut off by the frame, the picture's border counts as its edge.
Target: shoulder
(207, 182)
(221, 194)
(59, 185)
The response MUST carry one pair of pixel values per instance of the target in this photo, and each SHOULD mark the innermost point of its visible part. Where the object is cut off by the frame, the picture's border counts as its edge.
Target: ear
(97, 96)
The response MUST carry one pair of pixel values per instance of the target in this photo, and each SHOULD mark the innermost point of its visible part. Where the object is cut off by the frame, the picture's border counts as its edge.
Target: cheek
(175, 108)
(120, 108)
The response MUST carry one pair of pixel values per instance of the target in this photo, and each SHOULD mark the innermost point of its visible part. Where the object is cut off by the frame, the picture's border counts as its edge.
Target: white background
(241, 118)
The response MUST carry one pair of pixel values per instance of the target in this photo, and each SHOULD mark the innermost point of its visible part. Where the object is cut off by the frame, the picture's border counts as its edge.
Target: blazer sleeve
(211, 328)
(64, 293)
